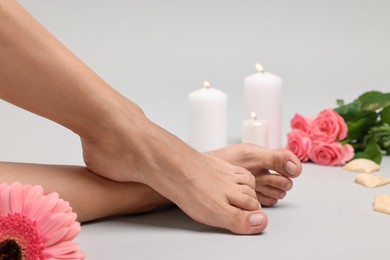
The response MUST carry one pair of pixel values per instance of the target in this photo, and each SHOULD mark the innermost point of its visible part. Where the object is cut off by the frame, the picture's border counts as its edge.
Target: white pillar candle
(207, 118)
(263, 95)
(255, 131)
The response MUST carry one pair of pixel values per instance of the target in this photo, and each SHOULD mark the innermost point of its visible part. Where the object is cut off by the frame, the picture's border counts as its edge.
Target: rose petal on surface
(371, 181)
(382, 203)
(362, 165)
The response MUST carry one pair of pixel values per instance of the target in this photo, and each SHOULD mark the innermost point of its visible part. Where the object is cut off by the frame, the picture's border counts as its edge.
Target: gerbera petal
(65, 247)
(62, 206)
(74, 230)
(5, 207)
(24, 192)
(16, 197)
(56, 235)
(43, 206)
(55, 222)
(30, 200)
(72, 255)
(53, 195)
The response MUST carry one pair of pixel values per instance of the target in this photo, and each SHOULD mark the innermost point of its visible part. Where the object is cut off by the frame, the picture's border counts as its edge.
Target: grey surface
(325, 216)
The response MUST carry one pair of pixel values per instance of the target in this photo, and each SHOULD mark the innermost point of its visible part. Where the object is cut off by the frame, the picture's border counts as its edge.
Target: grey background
(156, 52)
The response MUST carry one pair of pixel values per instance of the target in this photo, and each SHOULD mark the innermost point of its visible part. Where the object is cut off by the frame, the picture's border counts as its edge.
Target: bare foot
(270, 186)
(210, 190)
(119, 142)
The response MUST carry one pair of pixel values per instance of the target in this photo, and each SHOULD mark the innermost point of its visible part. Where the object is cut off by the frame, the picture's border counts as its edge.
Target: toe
(282, 161)
(266, 200)
(271, 192)
(244, 201)
(245, 177)
(273, 180)
(248, 222)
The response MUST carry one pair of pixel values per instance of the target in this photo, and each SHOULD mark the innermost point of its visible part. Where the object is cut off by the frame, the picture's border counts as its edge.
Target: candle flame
(253, 115)
(206, 84)
(259, 68)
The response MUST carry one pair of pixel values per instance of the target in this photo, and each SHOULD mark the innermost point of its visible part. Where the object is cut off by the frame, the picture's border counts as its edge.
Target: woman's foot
(210, 190)
(273, 169)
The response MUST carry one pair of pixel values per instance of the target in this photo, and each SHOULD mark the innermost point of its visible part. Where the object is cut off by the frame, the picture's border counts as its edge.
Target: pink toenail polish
(256, 219)
(291, 168)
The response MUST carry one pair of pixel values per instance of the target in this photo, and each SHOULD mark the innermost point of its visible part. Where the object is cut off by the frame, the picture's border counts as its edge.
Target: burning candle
(255, 131)
(263, 96)
(207, 118)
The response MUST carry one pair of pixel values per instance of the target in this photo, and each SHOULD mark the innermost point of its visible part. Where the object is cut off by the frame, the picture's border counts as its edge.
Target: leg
(39, 74)
(270, 187)
(90, 195)
(93, 197)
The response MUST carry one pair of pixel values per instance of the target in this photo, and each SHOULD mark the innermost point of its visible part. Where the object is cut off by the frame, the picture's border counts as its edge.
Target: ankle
(112, 118)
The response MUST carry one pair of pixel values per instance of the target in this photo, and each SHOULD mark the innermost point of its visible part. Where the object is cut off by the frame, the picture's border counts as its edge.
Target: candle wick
(254, 116)
(259, 68)
(206, 84)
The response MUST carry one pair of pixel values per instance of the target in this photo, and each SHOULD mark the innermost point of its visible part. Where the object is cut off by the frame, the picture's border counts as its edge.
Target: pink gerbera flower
(34, 225)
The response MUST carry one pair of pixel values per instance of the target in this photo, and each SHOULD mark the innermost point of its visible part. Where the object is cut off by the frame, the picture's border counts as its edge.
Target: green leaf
(368, 122)
(340, 102)
(368, 95)
(383, 128)
(349, 111)
(384, 142)
(381, 133)
(359, 125)
(383, 138)
(371, 152)
(375, 102)
(385, 115)
(358, 147)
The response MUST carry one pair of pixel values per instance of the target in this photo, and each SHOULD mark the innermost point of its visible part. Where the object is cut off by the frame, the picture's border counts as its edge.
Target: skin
(97, 197)
(270, 168)
(39, 74)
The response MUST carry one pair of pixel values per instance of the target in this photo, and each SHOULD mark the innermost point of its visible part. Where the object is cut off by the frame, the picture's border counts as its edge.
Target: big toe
(247, 222)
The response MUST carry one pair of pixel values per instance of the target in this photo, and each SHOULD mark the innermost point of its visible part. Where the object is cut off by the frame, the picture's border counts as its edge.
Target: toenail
(291, 168)
(256, 219)
(289, 186)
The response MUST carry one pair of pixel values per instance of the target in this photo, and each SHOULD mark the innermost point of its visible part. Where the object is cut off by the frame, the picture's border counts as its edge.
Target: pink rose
(299, 143)
(301, 123)
(328, 127)
(330, 153)
(348, 152)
